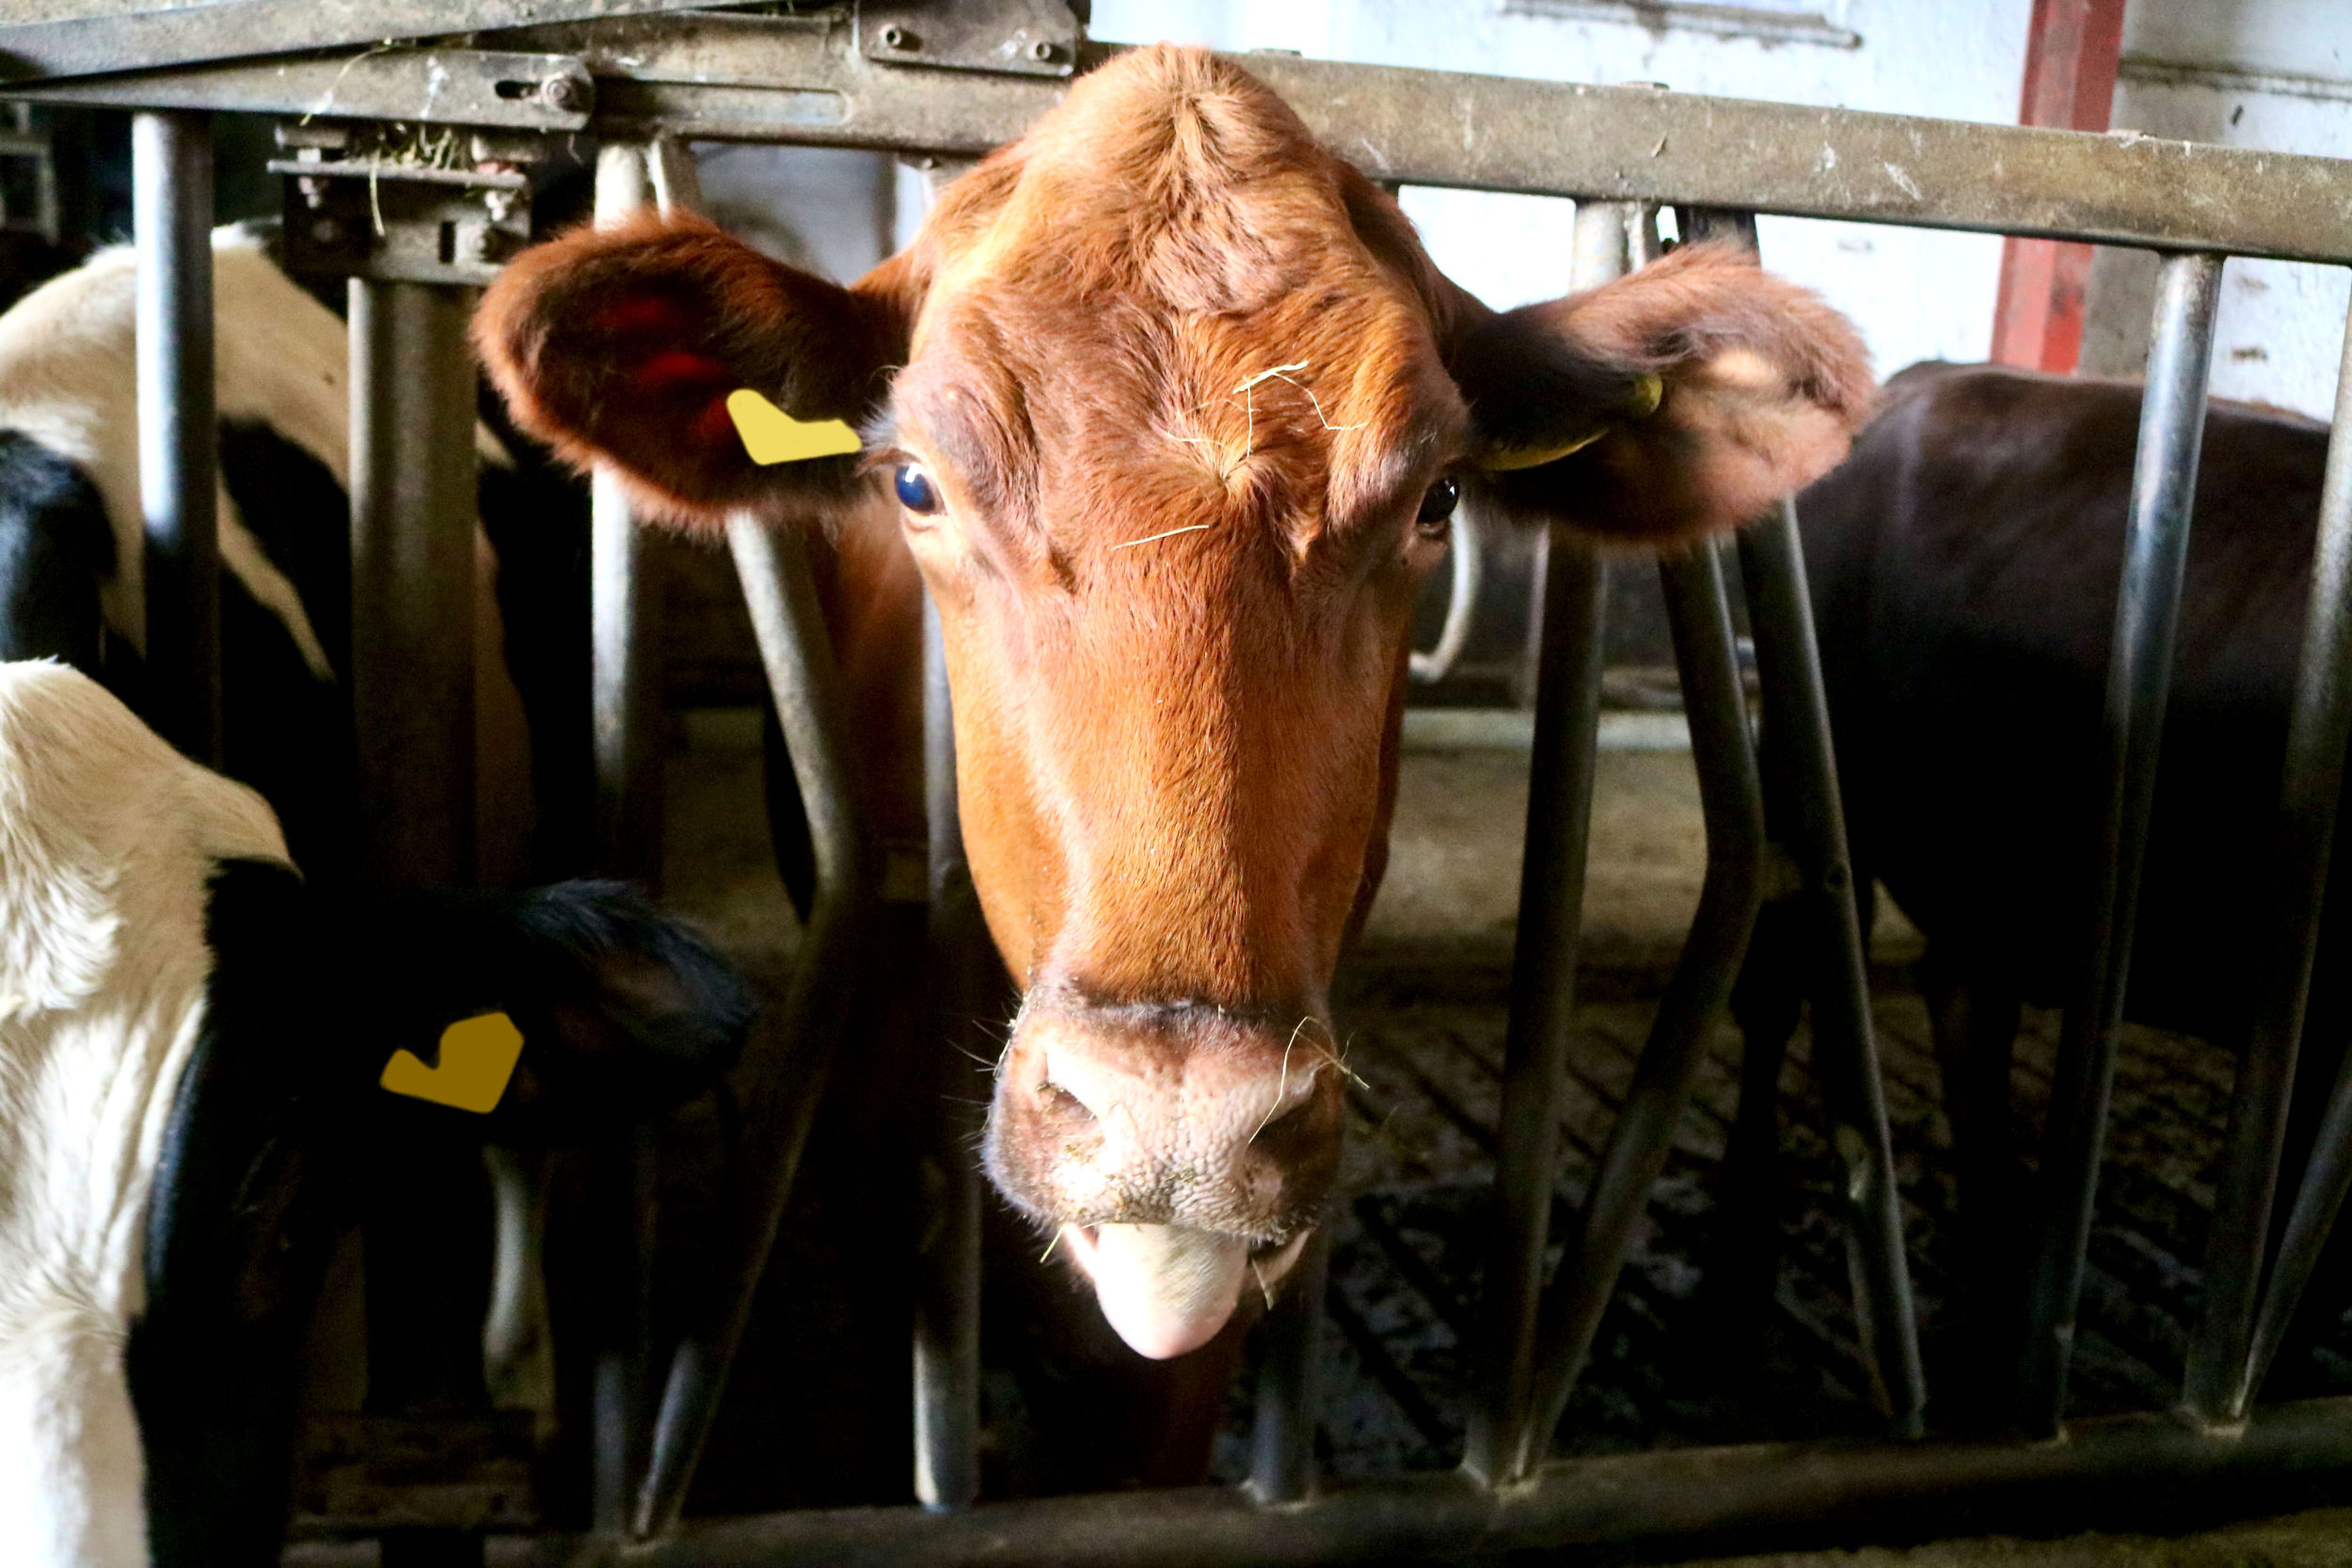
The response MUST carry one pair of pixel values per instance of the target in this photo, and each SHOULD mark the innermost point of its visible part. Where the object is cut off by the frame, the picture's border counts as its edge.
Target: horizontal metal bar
(451, 87)
(798, 79)
(106, 37)
(2137, 1471)
(801, 79)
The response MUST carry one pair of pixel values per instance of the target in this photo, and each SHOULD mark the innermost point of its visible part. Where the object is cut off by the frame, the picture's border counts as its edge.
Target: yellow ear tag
(771, 436)
(478, 1057)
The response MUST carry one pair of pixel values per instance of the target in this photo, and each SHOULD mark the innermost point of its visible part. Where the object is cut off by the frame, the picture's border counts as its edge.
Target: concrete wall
(2264, 74)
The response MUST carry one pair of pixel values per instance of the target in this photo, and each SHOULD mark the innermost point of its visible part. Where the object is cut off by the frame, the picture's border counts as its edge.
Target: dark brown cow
(1167, 408)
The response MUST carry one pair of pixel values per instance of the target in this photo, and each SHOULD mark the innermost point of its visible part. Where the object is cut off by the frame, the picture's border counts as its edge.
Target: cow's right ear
(622, 346)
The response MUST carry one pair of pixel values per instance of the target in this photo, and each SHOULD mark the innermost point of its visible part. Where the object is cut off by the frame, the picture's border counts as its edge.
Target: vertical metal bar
(958, 966)
(1845, 1052)
(1543, 964)
(2221, 1384)
(412, 568)
(1731, 796)
(624, 610)
(2163, 481)
(412, 688)
(625, 686)
(794, 1045)
(171, 195)
(1290, 1381)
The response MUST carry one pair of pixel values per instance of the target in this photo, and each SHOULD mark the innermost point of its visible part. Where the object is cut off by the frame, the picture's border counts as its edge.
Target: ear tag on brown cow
(478, 1057)
(1650, 390)
(771, 436)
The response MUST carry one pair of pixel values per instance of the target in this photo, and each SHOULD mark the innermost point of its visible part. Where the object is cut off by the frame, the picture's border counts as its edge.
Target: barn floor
(1421, 1012)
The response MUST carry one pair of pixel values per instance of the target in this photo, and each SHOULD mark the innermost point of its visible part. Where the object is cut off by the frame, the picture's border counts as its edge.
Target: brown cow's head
(1171, 409)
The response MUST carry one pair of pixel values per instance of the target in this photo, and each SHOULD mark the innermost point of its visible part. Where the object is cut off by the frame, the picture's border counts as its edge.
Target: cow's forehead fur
(1162, 295)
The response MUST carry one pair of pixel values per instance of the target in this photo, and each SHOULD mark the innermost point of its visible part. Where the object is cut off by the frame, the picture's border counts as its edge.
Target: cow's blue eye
(915, 490)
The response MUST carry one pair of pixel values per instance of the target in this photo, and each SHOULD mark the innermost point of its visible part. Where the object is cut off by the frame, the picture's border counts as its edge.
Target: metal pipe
(1543, 959)
(412, 591)
(171, 203)
(1731, 799)
(794, 1043)
(2221, 1387)
(624, 687)
(957, 962)
(625, 606)
(2127, 1471)
(1290, 1381)
(1468, 568)
(2147, 611)
(1845, 1050)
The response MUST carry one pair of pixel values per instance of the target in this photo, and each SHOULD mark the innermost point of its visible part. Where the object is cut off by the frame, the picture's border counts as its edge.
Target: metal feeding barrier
(410, 129)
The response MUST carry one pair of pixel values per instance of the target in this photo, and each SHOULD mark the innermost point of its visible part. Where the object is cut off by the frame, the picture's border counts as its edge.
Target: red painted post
(2071, 54)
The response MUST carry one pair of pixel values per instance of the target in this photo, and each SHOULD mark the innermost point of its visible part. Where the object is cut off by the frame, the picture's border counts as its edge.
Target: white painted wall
(2274, 74)
(1915, 294)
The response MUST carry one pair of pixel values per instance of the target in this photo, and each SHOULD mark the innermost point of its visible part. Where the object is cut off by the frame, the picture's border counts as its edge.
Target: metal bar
(794, 1041)
(958, 966)
(2128, 1472)
(793, 79)
(107, 37)
(2219, 1388)
(412, 691)
(434, 87)
(624, 608)
(412, 568)
(1543, 958)
(1290, 1381)
(1543, 964)
(1845, 1050)
(171, 172)
(2147, 611)
(1731, 799)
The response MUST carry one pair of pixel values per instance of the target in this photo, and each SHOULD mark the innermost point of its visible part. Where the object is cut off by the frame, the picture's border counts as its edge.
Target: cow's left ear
(1680, 400)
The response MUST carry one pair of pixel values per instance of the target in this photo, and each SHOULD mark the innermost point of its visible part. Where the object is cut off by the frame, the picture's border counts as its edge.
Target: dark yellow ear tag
(771, 436)
(1650, 390)
(478, 1057)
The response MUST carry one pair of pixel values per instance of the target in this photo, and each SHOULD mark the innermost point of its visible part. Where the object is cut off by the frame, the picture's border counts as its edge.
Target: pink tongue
(1166, 1289)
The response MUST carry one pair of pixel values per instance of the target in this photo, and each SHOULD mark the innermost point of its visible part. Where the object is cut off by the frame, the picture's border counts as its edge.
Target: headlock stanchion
(2227, 1363)
(2164, 483)
(644, 81)
(793, 1044)
(171, 205)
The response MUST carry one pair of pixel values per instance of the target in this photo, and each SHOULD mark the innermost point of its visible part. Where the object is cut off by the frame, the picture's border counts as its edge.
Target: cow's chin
(1169, 1288)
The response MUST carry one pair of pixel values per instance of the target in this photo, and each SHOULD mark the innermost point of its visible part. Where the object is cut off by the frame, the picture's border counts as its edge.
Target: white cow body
(107, 839)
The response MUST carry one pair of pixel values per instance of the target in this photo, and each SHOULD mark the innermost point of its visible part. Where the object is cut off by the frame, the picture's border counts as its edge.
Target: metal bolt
(898, 37)
(1043, 52)
(327, 232)
(565, 94)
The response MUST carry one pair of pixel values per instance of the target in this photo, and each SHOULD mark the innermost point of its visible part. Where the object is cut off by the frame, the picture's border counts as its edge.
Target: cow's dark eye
(1437, 506)
(915, 491)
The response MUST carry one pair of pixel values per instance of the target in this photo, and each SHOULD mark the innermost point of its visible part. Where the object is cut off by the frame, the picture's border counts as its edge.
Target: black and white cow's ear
(538, 1015)
(635, 1011)
(626, 346)
(1680, 400)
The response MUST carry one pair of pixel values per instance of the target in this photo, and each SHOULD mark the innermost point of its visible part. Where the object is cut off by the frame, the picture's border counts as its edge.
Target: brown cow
(1167, 408)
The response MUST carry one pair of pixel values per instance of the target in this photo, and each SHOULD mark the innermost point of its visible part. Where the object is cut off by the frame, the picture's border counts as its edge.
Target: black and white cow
(191, 1045)
(72, 556)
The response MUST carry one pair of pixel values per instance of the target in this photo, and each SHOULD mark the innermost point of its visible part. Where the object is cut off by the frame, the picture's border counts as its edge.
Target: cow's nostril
(1275, 1128)
(1053, 1097)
